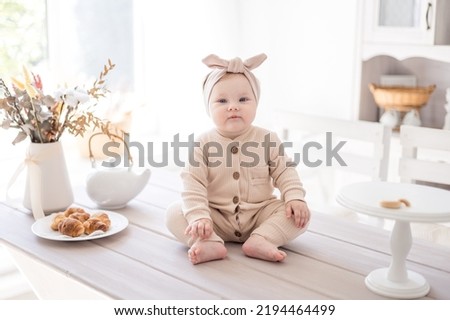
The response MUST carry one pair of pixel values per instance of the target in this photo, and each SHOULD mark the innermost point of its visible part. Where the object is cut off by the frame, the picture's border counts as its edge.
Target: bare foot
(203, 251)
(258, 247)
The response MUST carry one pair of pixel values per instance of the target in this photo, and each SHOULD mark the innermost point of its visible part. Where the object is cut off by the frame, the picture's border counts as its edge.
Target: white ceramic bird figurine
(113, 188)
(412, 118)
(390, 118)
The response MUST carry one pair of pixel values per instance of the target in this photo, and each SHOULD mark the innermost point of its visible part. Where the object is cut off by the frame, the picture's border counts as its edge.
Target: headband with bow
(221, 67)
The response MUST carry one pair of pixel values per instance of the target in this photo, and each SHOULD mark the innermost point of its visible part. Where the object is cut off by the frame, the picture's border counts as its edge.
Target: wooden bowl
(401, 98)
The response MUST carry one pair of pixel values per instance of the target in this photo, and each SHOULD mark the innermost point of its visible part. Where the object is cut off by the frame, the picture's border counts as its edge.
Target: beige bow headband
(236, 65)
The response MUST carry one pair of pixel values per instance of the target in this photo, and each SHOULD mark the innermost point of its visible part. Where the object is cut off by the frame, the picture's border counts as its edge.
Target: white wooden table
(428, 204)
(144, 261)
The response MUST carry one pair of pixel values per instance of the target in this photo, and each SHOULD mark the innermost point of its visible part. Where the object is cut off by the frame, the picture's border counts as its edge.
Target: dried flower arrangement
(44, 118)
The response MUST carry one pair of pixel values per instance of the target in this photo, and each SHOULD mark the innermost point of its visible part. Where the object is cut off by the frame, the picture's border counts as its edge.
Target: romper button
(235, 199)
(234, 149)
(237, 234)
(237, 209)
(236, 175)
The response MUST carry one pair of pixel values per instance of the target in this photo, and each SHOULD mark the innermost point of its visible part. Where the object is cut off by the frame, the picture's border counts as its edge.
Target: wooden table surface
(144, 261)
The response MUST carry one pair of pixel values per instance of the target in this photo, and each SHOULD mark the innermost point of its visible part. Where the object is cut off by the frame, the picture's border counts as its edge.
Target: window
(23, 35)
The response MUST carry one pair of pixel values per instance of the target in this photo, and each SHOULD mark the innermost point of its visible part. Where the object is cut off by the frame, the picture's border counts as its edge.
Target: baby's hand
(201, 228)
(300, 211)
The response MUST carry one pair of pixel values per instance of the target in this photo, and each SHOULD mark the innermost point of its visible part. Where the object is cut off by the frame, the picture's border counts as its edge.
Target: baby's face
(232, 105)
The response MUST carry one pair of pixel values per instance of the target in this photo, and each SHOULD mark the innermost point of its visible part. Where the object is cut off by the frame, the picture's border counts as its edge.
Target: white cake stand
(428, 204)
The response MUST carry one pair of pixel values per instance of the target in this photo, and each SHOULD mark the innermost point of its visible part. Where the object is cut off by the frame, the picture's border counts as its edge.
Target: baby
(230, 179)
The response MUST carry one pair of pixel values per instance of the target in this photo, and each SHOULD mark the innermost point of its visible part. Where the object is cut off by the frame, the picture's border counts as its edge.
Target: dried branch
(44, 118)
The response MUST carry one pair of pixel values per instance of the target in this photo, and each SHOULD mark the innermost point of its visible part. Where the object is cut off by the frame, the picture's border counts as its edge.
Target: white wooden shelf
(402, 51)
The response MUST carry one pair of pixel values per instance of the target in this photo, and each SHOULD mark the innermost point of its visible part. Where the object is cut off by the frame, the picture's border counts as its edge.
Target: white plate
(42, 228)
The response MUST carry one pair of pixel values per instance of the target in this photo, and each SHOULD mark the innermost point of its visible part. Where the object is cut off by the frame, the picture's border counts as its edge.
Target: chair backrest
(360, 136)
(425, 155)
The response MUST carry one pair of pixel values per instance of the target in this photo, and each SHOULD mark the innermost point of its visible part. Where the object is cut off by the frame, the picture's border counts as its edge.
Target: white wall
(310, 47)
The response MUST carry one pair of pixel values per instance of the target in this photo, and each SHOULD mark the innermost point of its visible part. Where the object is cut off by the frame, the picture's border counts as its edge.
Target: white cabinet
(418, 22)
(395, 45)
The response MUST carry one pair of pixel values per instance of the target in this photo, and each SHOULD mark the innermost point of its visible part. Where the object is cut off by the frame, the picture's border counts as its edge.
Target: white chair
(366, 153)
(425, 159)
(425, 155)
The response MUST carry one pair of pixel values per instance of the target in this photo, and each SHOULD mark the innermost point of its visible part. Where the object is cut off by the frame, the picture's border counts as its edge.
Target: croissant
(69, 211)
(71, 227)
(103, 217)
(56, 220)
(94, 224)
(81, 216)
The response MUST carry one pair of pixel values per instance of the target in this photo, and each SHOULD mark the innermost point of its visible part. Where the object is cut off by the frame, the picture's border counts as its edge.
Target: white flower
(72, 97)
(44, 118)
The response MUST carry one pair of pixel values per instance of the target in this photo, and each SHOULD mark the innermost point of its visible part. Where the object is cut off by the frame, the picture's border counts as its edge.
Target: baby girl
(228, 187)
